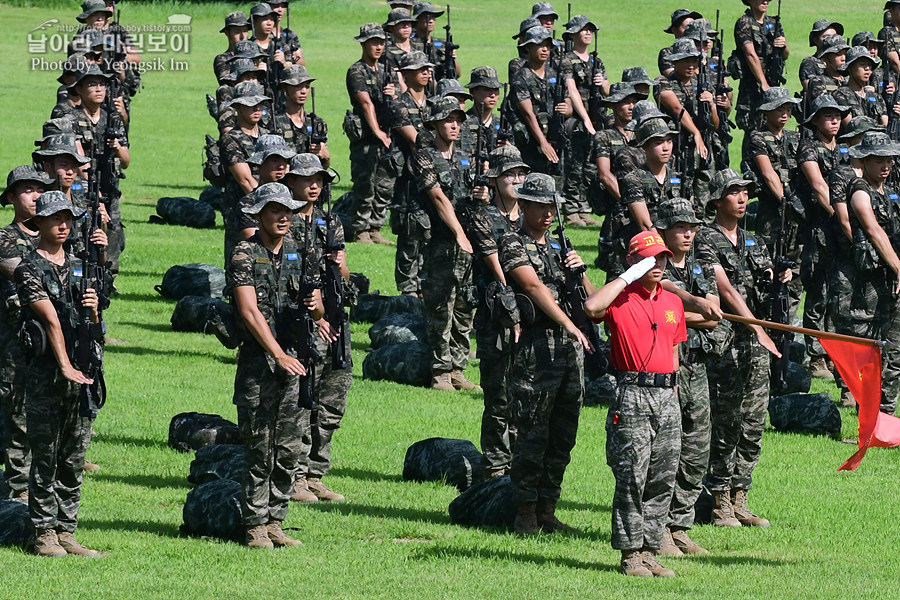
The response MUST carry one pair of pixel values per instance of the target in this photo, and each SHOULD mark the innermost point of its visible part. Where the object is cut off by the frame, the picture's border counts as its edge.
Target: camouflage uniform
(266, 397)
(870, 104)
(842, 278)
(748, 31)
(737, 407)
(297, 136)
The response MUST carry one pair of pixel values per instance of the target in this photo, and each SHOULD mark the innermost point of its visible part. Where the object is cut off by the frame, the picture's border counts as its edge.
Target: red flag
(860, 368)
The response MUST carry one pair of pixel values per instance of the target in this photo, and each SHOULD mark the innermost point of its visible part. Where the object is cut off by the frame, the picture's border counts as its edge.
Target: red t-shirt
(636, 345)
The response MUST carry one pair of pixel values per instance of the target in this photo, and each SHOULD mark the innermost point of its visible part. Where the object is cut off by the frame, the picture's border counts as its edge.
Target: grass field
(833, 534)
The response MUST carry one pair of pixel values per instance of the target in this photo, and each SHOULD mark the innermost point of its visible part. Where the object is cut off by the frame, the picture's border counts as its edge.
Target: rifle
(780, 303)
(318, 132)
(306, 327)
(335, 313)
(774, 69)
(505, 132)
(556, 129)
(893, 125)
(721, 90)
(569, 45)
(449, 47)
(704, 112)
(595, 366)
(480, 155)
(595, 107)
(105, 160)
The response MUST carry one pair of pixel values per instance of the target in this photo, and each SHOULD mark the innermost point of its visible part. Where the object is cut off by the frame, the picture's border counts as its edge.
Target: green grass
(833, 534)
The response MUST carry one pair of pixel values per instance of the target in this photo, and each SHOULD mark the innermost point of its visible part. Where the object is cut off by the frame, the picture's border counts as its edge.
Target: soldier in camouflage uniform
(495, 339)
(434, 48)
(263, 275)
(890, 33)
(295, 124)
(371, 86)
(862, 98)
(63, 162)
(320, 237)
(643, 427)
(443, 175)
(756, 45)
(23, 186)
(812, 66)
(547, 374)
(399, 26)
(236, 27)
(739, 379)
(48, 285)
(485, 89)
(287, 38)
(833, 55)
(522, 56)
(681, 18)
(876, 239)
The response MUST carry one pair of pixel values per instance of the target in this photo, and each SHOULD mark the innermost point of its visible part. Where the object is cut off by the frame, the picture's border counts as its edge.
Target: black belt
(645, 379)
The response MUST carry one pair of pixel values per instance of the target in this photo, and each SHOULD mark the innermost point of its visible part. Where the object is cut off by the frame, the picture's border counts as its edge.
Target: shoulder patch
(552, 80)
(77, 272)
(674, 180)
(554, 245)
(292, 256)
(749, 243)
(697, 270)
(531, 246)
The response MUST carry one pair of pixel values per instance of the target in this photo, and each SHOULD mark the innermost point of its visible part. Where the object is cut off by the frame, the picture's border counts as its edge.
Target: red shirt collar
(637, 288)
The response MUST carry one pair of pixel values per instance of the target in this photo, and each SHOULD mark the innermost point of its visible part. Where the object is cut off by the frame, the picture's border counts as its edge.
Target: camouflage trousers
(738, 399)
(115, 234)
(546, 385)
(643, 441)
(841, 285)
(748, 117)
(818, 262)
(448, 270)
(332, 387)
(498, 431)
(15, 451)
(693, 396)
(58, 437)
(408, 260)
(875, 314)
(578, 151)
(372, 186)
(269, 417)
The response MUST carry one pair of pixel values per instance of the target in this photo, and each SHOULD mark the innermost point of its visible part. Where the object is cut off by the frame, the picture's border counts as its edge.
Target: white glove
(638, 270)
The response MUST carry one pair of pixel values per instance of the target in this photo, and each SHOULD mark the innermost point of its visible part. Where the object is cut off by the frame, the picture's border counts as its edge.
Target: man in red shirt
(643, 427)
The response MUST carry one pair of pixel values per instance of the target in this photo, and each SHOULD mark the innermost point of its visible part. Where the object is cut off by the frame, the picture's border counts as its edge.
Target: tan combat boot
(459, 381)
(440, 380)
(322, 491)
(90, 467)
(574, 220)
(302, 492)
(278, 536)
(668, 546)
(377, 238)
(743, 514)
(526, 519)
(588, 219)
(68, 543)
(546, 517)
(632, 564)
(363, 237)
(723, 512)
(653, 565)
(819, 368)
(684, 543)
(46, 543)
(258, 537)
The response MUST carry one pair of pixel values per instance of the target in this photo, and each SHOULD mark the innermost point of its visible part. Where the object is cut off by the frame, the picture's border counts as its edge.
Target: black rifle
(505, 133)
(722, 90)
(273, 74)
(595, 100)
(679, 149)
(568, 44)
(893, 125)
(104, 160)
(335, 313)
(318, 131)
(703, 118)
(556, 128)
(595, 365)
(780, 303)
(306, 326)
(480, 155)
(774, 67)
(449, 47)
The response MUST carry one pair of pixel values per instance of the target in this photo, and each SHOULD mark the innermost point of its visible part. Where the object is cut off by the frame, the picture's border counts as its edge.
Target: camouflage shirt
(489, 132)
(453, 175)
(870, 104)
(810, 67)
(813, 150)
(518, 249)
(782, 152)
(886, 208)
(39, 279)
(296, 136)
(748, 30)
(699, 280)
(235, 147)
(839, 186)
(823, 84)
(745, 264)
(361, 78)
(14, 245)
(92, 134)
(409, 113)
(221, 66)
(540, 90)
(322, 224)
(62, 109)
(642, 186)
(582, 72)
(486, 227)
(662, 60)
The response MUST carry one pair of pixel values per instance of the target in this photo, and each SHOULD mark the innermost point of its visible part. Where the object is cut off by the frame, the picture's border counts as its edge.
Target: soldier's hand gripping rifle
(595, 365)
(318, 132)
(774, 67)
(556, 128)
(481, 155)
(595, 106)
(893, 125)
(449, 66)
(780, 303)
(335, 314)
(505, 132)
(306, 332)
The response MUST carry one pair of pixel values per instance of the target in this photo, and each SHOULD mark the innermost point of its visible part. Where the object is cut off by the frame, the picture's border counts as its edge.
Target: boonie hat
(422, 8)
(448, 86)
(295, 75)
(535, 35)
(307, 165)
(268, 145)
(485, 77)
(272, 192)
(858, 126)
(370, 31)
(442, 109)
(775, 97)
(679, 15)
(235, 19)
(725, 179)
(543, 9)
(90, 7)
(399, 15)
(820, 26)
(23, 173)
(50, 203)
(822, 102)
(875, 143)
(413, 61)
(60, 145)
(503, 159)
(539, 188)
(675, 210)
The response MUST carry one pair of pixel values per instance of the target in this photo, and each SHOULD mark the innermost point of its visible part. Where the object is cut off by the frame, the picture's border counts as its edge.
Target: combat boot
(46, 543)
(440, 380)
(588, 219)
(743, 514)
(847, 400)
(91, 467)
(819, 368)
(322, 491)
(723, 512)
(459, 381)
(653, 565)
(278, 536)
(258, 537)
(668, 546)
(377, 238)
(633, 564)
(302, 492)
(685, 543)
(363, 237)
(68, 543)
(574, 220)
(546, 517)
(526, 519)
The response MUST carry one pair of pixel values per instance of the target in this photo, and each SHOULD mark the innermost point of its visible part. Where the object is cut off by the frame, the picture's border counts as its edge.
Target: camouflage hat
(269, 145)
(675, 210)
(263, 9)
(577, 23)
(235, 19)
(619, 91)
(92, 71)
(833, 44)
(307, 165)
(407, 4)
(245, 65)
(370, 31)
(775, 97)
(295, 75)
(864, 37)
(485, 77)
(62, 144)
(539, 188)
(543, 9)
(821, 103)
(50, 203)
(646, 109)
(726, 179)
(90, 7)
(683, 48)
(56, 126)
(535, 35)
(413, 61)
(23, 173)
(272, 192)
(91, 40)
(858, 126)
(875, 143)
(526, 25)
(399, 15)
(646, 244)
(442, 109)
(423, 8)
(448, 86)
(503, 159)
(858, 53)
(636, 75)
(248, 93)
(891, 4)
(696, 31)
(246, 49)
(652, 128)
(76, 62)
(680, 15)
(821, 25)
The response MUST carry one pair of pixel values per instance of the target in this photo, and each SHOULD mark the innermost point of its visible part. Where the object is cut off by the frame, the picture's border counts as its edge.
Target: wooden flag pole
(804, 331)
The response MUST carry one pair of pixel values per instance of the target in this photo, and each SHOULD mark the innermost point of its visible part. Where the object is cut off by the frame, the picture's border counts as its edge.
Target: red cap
(647, 243)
